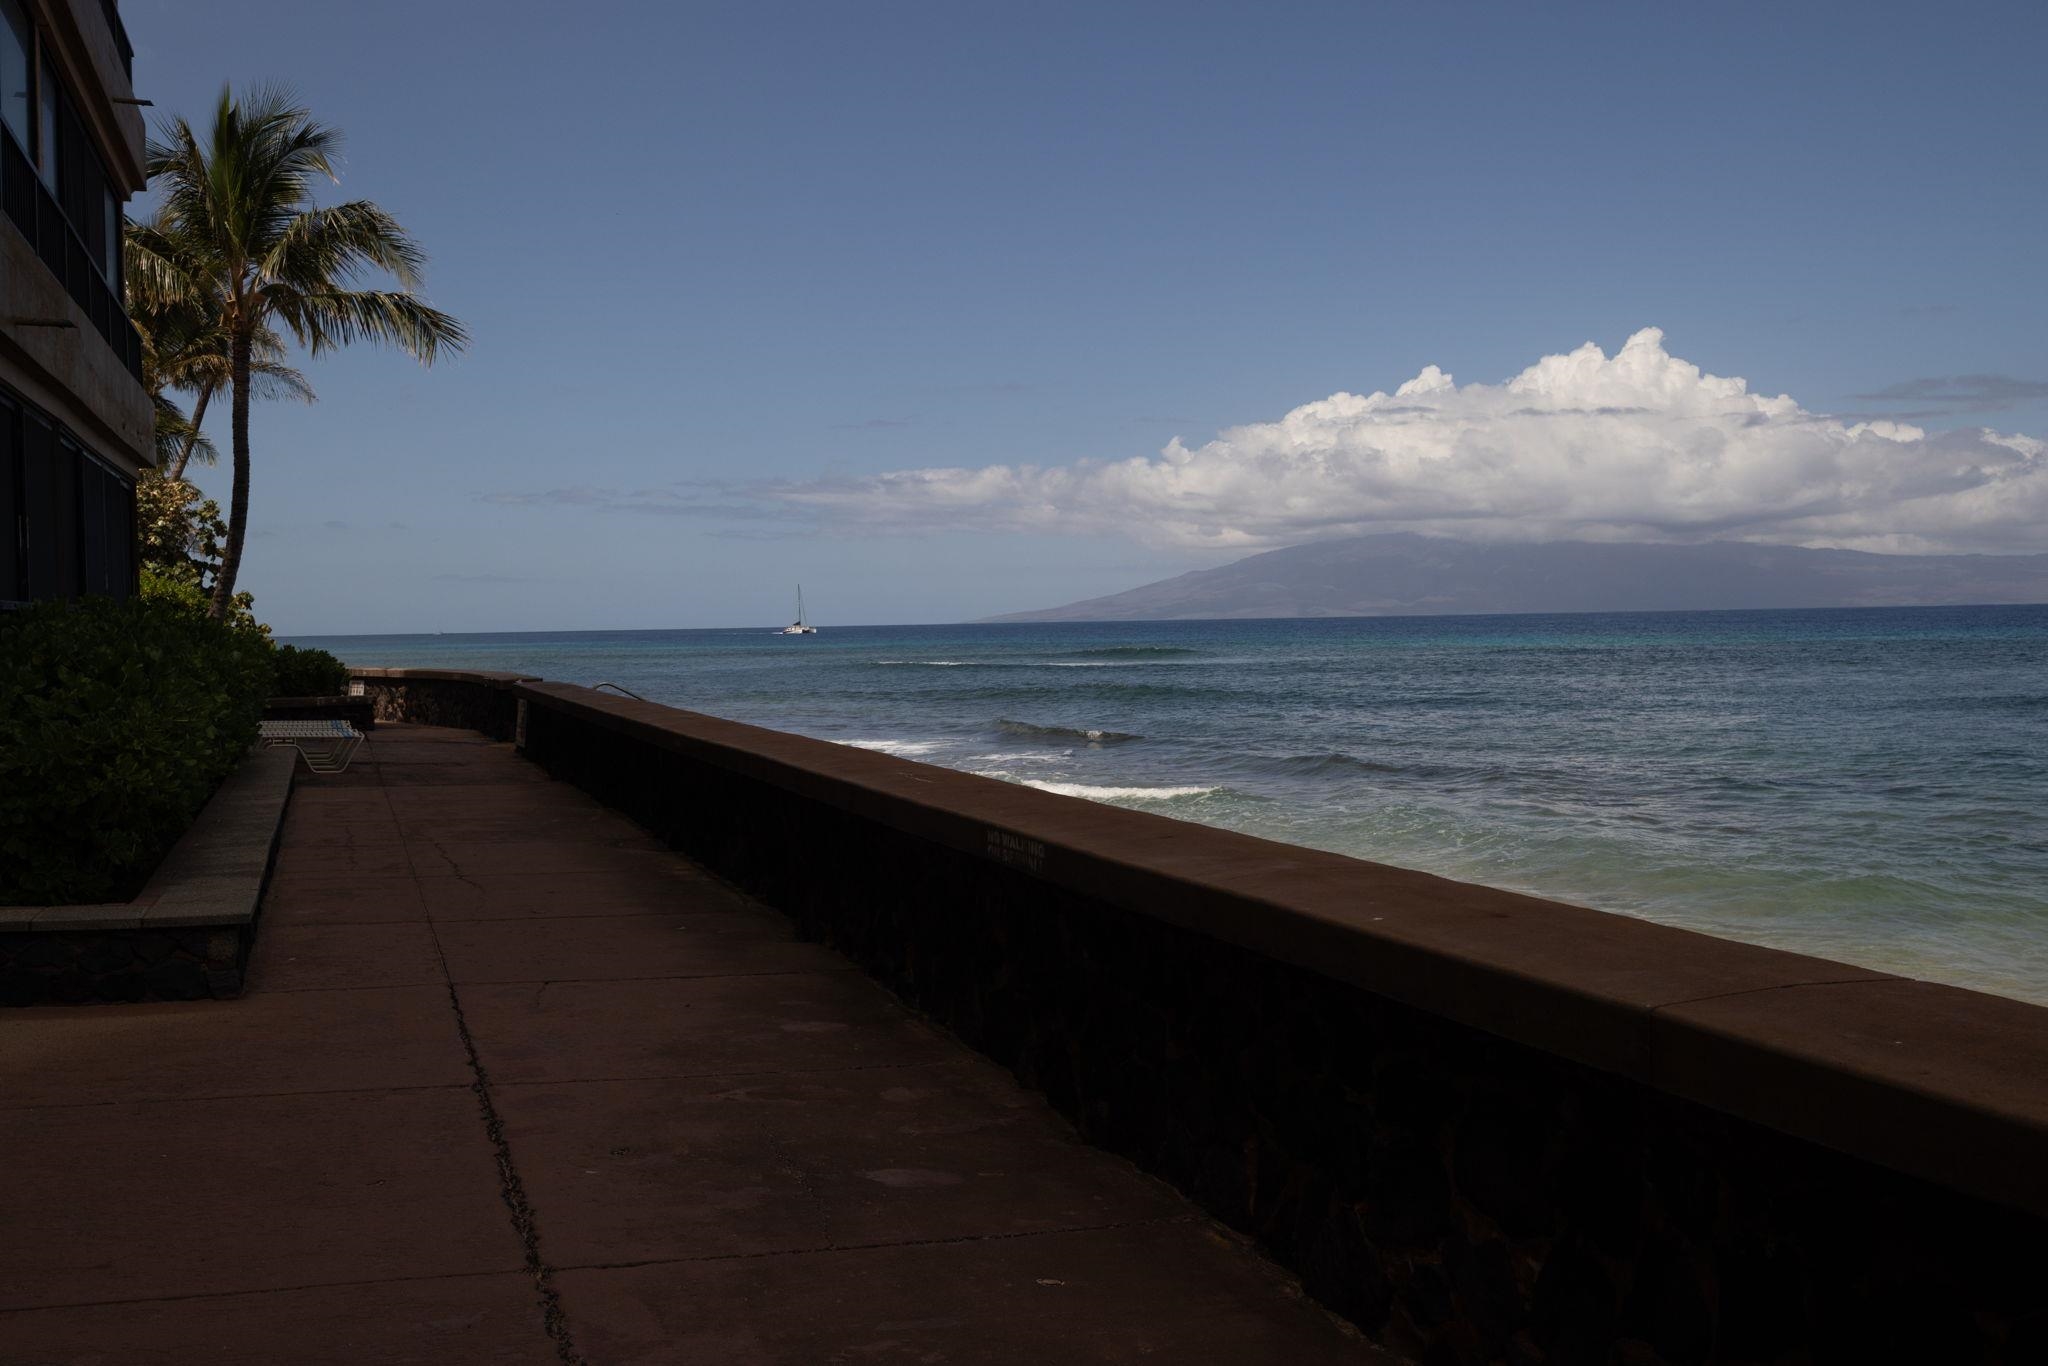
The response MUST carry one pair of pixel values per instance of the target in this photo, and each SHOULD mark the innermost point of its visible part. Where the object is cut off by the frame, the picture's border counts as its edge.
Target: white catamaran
(797, 627)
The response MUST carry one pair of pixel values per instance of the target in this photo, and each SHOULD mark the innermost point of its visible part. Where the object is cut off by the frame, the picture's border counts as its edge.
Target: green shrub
(180, 590)
(178, 529)
(117, 721)
(308, 673)
(299, 672)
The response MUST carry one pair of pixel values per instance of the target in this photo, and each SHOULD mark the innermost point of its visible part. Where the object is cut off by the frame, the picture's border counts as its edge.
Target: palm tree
(183, 348)
(238, 237)
(179, 532)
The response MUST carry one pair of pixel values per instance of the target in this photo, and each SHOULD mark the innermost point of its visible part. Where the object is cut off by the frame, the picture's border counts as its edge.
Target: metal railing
(33, 209)
(126, 48)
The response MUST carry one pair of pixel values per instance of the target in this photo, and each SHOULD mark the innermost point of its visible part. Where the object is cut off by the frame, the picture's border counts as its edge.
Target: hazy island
(1405, 574)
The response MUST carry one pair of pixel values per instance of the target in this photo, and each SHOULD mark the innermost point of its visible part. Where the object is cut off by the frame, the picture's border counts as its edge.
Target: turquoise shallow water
(1868, 785)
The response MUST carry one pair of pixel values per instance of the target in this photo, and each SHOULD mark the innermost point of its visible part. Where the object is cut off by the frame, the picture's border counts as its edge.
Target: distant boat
(797, 627)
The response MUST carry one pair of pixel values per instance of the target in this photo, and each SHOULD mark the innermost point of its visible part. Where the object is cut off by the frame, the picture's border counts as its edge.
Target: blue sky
(742, 276)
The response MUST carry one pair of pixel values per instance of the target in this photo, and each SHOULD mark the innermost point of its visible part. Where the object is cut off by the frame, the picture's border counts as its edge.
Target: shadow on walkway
(514, 1083)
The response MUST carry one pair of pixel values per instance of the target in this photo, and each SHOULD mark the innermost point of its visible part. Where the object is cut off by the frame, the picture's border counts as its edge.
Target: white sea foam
(902, 749)
(1118, 794)
(927, 663)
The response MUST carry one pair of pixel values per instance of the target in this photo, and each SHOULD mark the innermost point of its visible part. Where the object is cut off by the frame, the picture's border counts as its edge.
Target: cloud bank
(1962, 393)
(1637, 446)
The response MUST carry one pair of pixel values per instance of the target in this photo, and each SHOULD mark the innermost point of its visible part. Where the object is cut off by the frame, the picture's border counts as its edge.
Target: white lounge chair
(327, 746)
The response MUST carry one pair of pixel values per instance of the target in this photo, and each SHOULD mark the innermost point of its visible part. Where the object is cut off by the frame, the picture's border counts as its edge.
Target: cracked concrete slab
(665, 944)
(539, 1092)
(247, 1193)
(1171, 1292)
(779, 1162)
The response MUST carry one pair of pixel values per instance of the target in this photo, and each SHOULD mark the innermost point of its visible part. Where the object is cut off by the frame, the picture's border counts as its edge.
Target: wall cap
(1939, 1081)
(213, 875)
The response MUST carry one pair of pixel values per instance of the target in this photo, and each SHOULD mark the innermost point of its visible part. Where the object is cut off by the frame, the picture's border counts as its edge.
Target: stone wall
(75, 966)
(1484, 1127)
(476, 701)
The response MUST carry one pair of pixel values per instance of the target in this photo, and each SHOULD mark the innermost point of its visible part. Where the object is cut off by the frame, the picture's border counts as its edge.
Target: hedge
(308, 673)
(117, 721)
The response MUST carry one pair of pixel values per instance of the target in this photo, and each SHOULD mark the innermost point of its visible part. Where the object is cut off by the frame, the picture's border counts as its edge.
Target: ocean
(1869, 785)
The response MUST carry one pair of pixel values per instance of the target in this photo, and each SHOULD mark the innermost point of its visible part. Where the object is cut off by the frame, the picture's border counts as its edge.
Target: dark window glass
(10, 504)
(64, 472)
(46, 125)
(39, 505)
(120, 538)
(50, 506)
(82, 192)
(78, 177)
(18, 190)
(92, 525)
(15, 91)
(110, 252)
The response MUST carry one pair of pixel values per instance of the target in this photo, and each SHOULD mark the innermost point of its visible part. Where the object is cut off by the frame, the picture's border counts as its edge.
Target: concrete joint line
(513, 1192)
(510, 1188)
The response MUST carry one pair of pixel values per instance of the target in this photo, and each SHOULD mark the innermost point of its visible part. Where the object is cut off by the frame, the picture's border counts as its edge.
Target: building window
(40, 508)
(110, 216)
(11, 587)
(15, 51)
(109, 539)
(46, 124)
(67, 518)
(72, 218)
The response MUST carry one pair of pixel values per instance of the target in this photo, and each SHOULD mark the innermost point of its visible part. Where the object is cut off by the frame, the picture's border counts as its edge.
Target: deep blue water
(1869, 785)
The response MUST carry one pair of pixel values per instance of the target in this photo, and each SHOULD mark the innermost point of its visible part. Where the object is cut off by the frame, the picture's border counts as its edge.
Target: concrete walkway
(513, 1083)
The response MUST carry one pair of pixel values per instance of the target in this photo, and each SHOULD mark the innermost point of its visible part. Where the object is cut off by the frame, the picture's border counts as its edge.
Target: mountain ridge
(1408, 574)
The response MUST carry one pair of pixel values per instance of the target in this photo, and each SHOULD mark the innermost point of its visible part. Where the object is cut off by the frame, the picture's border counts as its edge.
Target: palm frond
(164, 268)
(330, 246)
(271, 380)
(174, 430)
(323, 319)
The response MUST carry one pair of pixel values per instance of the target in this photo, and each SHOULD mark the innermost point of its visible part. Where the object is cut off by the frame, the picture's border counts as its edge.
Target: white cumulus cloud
(1637, 446)
(1640, 445)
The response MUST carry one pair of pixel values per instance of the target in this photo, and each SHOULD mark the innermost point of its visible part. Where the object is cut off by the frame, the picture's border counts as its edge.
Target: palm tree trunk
(192, 437)
(238, 503)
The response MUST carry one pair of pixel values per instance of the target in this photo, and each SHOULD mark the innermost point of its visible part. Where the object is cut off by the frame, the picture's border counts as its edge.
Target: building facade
(75, 421)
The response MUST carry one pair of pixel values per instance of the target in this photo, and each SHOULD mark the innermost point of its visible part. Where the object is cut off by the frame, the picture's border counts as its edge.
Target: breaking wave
(1312, 765)
(902, 749)
(1066, 733)
(1119, 794)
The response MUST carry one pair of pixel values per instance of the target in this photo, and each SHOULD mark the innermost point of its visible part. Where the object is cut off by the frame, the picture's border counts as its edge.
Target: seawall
(1483, 1126)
